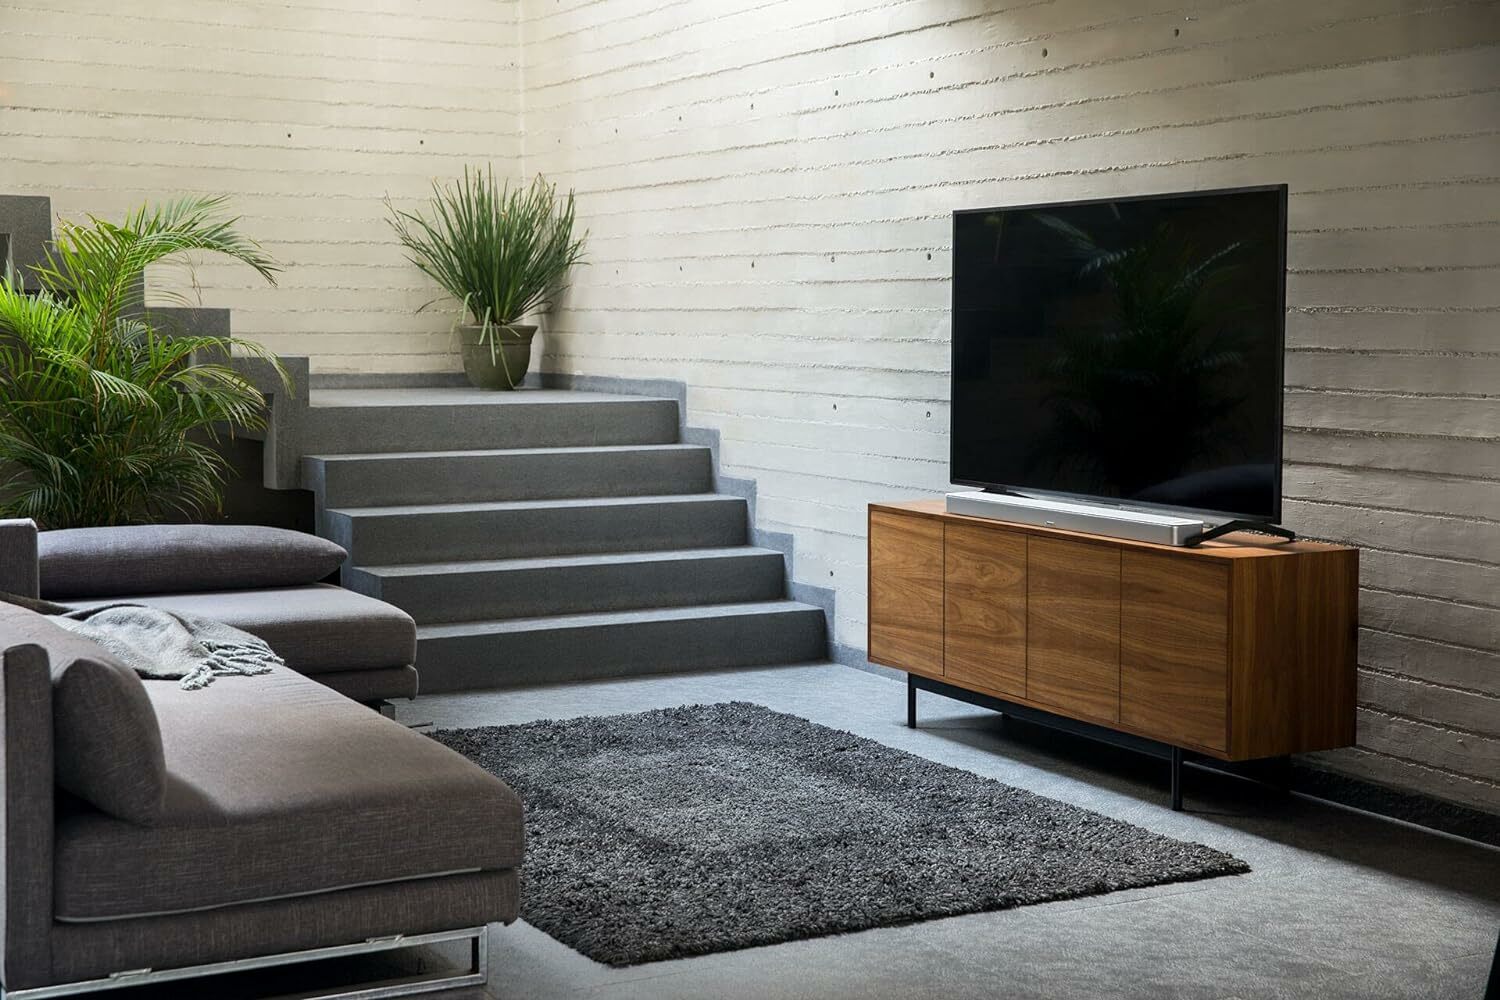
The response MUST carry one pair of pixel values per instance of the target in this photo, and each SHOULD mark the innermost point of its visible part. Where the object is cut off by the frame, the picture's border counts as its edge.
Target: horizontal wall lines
(1426, 764)
(1454, 730)
(465, 39)
(801, 309)
(993, 178)
(1452, 310)
(1072, 102)
(327, 170)
(763, 472)
(1392, 394)
(1434, 686)
(700, 75)
(1435, 598)
(791, 338)
(117, 191)
(354, 152)
(509, 8)
(1360, 762)
(1447, 727)
(164, 117)
(1378, 549)
(1407, 268)
(1344, 505)
(803, 140)
(226, 91)
(938, 252)
(234, 45)
(615, 38)
(1456, 647)
(760, 63)
(975, 180)
(1389, 352)
(1397, 393)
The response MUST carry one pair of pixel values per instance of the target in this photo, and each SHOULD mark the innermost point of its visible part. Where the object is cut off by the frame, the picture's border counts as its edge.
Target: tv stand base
(1272, 771)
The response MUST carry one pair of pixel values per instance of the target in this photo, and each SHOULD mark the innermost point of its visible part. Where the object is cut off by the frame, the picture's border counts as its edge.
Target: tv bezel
(1125, 502)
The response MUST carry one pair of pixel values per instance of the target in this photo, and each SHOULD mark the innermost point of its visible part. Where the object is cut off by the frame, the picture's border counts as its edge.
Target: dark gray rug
(714, 827)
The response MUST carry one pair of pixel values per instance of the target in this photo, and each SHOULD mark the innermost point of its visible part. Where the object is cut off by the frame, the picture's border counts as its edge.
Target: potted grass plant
(502, 254)
(105, 418)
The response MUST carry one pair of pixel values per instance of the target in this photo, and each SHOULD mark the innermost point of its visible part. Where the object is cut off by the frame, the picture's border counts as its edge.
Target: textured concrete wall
(769, 187)
(306, 114)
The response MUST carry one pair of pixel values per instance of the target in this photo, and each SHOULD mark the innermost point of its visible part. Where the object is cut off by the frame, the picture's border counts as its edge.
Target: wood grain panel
(1264, 658)
(1174, 648)
(906, 592)
(1073, 627)
(984, 635)
(1327, 651)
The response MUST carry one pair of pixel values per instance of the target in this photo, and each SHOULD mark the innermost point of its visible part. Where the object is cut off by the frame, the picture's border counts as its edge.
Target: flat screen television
(1126, 350)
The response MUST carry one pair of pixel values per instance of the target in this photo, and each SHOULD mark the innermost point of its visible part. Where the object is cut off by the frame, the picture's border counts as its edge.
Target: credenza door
(1073, 627)
(906, 592)
(984, 636)
(1174, 649)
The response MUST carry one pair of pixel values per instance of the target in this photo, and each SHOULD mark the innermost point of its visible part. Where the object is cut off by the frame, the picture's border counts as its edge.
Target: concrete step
(522, 529)
(520, 651)
(508, 474)
(516, 588)
(436, 418)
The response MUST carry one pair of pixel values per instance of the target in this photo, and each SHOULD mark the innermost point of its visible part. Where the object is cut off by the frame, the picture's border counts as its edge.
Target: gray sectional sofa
(265, 581)
(151, 833)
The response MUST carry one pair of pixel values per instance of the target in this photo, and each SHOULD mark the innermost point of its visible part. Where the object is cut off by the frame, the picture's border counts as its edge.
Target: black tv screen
(1126, 349)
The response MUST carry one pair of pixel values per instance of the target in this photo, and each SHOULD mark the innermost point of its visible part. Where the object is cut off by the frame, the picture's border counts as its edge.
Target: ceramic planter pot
(500, 365)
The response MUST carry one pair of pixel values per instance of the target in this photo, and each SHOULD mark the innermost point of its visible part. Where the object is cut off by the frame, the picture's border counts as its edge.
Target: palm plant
(500, 252)
(104, 418)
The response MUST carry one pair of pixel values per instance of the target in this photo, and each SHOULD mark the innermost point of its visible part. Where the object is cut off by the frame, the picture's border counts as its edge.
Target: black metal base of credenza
(1274, 771)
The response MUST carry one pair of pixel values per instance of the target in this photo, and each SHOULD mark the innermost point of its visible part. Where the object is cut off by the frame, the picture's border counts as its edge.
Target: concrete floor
(1339, 904)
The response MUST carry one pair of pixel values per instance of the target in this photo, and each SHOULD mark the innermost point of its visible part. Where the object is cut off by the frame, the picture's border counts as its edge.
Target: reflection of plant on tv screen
(1157, 367)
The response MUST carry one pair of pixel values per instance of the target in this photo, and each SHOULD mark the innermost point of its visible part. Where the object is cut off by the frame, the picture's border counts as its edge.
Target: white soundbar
(1115, 522)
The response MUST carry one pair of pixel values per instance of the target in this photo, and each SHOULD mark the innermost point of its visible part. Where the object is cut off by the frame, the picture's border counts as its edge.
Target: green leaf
(104, 419)
(500, 253)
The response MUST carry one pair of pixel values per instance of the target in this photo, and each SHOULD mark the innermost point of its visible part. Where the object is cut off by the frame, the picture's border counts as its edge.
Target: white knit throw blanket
(168, 645)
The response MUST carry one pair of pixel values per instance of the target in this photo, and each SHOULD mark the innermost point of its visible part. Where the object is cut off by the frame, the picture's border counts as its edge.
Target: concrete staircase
(546, 535)
(538, 536)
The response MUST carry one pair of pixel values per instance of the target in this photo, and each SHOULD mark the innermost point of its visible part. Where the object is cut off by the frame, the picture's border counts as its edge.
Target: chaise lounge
(152, 833)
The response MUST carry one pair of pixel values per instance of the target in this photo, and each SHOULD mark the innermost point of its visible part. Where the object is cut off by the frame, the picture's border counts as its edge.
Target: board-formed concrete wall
(769, 182)
(306, 114)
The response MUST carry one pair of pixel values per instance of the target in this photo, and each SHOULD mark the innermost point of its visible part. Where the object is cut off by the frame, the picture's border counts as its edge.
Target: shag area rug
(708, 828)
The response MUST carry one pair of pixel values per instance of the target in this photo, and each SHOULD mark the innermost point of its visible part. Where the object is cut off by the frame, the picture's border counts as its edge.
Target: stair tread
(547, 562)
(501, 505)
(605, 449)
(502, 626)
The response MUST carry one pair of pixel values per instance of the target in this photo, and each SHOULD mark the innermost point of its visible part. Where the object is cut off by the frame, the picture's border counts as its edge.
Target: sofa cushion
(280, 787)
(107, 746)
(370, 686)
(316, 629)
(170, 558)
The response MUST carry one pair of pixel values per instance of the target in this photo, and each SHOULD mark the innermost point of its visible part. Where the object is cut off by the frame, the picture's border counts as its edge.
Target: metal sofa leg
(478, 973)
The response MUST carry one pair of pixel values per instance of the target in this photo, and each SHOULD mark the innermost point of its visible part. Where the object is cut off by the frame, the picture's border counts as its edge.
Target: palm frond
(103, 418)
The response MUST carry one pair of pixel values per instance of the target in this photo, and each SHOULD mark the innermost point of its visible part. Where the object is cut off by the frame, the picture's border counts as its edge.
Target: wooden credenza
(1236, 649)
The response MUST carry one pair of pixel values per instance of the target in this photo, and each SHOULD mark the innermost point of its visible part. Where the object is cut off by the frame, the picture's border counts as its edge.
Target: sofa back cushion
(179, 558)
(107, 746)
